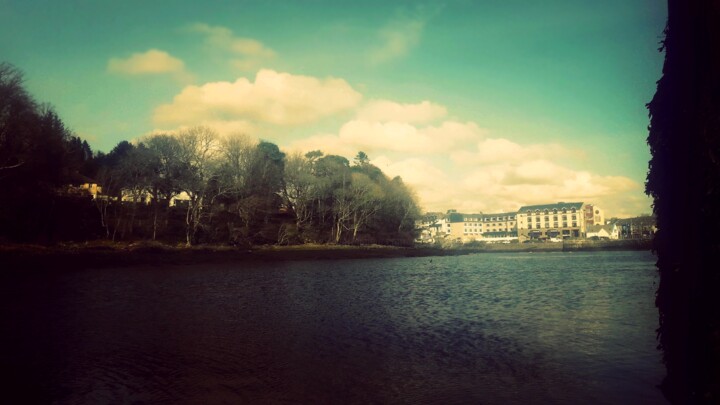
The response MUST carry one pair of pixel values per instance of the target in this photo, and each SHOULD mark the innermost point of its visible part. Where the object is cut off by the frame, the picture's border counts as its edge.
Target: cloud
(454, 165)
(385, 111)
(330, 144)
(506, 187)
(402, 137)
(373, 136)
(427, 180)
(397, 39)
(249, 54)
(152, 62)
(496, 150)
(274, 97)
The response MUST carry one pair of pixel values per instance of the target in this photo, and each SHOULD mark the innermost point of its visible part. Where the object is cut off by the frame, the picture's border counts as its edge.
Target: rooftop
(559, 206)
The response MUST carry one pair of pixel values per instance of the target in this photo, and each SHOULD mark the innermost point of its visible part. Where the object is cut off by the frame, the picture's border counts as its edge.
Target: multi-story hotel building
(560, 220)
(468, 227)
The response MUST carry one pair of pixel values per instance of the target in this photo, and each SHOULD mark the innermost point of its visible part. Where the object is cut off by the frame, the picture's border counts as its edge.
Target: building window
(555, 224)
(574, 217)
(547, 225)
(529, 226)
(574, 224)
(564, 224)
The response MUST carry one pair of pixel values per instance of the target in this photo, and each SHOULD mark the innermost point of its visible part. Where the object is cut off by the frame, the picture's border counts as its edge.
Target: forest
(189, 187)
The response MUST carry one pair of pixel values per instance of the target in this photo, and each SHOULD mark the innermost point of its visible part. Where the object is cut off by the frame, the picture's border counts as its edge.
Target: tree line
(192, 187)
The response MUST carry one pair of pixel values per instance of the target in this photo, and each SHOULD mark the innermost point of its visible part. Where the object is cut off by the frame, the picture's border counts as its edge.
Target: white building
(546, 221)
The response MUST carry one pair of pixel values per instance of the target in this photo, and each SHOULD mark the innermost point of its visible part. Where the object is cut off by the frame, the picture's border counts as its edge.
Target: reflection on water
(489, 328)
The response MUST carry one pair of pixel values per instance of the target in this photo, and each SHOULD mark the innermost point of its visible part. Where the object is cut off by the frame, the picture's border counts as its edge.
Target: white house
(610, 231)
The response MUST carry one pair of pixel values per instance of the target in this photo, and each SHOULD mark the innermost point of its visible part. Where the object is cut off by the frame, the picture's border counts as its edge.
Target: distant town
(533, 223)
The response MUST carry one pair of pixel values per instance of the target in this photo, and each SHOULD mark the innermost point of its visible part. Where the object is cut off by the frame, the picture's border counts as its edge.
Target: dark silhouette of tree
(35, 160)
(684, 180)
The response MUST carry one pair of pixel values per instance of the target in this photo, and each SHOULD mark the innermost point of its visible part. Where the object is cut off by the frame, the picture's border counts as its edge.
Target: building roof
(559, 206)
(597, 228)
(459, 217)
(500, 214)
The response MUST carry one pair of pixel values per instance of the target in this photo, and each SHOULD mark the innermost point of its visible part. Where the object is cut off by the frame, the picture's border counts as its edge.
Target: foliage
(192, 187)
(684, 180)
(38, 154)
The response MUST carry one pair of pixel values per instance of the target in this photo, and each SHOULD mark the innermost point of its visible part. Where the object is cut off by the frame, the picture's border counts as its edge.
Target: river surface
(563, 328)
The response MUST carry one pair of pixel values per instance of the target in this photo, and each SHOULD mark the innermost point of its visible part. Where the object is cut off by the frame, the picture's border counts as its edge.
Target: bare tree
(198, 150)
(299, 188)
(236, 161)
(365, 200)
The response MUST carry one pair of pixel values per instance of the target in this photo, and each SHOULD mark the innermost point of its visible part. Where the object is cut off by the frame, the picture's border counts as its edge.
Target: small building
(180, 200)
(610, 231)
(85, 189)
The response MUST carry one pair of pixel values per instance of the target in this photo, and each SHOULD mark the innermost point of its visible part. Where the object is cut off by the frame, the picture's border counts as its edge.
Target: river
(498, 328)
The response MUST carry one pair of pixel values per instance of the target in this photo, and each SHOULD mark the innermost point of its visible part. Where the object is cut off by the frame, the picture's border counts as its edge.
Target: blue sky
(479, 105)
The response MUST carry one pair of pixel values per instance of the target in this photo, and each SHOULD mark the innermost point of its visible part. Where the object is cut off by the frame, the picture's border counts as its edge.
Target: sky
(480, 106)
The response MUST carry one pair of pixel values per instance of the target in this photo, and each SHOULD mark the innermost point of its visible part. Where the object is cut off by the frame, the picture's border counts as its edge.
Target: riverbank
(103, 254)
(106, 254)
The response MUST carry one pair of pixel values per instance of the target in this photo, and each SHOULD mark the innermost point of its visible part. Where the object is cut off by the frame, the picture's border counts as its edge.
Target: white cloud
(386, 111)
(502, 187)
(397, 39)
(152, 62)
(274, 97)
(496, 175)
(403, 137)
(496, 150)
(247, 54)
(382, 137)
(429, 182)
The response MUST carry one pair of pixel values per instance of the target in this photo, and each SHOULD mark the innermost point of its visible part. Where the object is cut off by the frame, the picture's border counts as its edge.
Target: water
(559, 328)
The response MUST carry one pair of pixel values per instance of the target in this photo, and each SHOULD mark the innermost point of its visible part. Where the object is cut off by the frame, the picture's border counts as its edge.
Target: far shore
(102, 254)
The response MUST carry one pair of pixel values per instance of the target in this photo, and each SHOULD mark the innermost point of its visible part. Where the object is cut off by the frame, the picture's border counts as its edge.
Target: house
(433, 225)
(181, 199)
(85, 189)
(610, 231)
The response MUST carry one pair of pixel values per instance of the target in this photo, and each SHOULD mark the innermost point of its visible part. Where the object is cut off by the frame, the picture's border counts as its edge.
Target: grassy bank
(107, 254)
(104, 254)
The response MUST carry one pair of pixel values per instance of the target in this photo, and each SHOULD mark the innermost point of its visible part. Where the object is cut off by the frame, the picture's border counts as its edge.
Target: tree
(198, 150)
(237, 156)
(361, 159)
(166, 173)
(366, 197)
(264, 188)
(18, 114)
(332, 201)
(299, 188)
(33, 160)
(684, 178)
